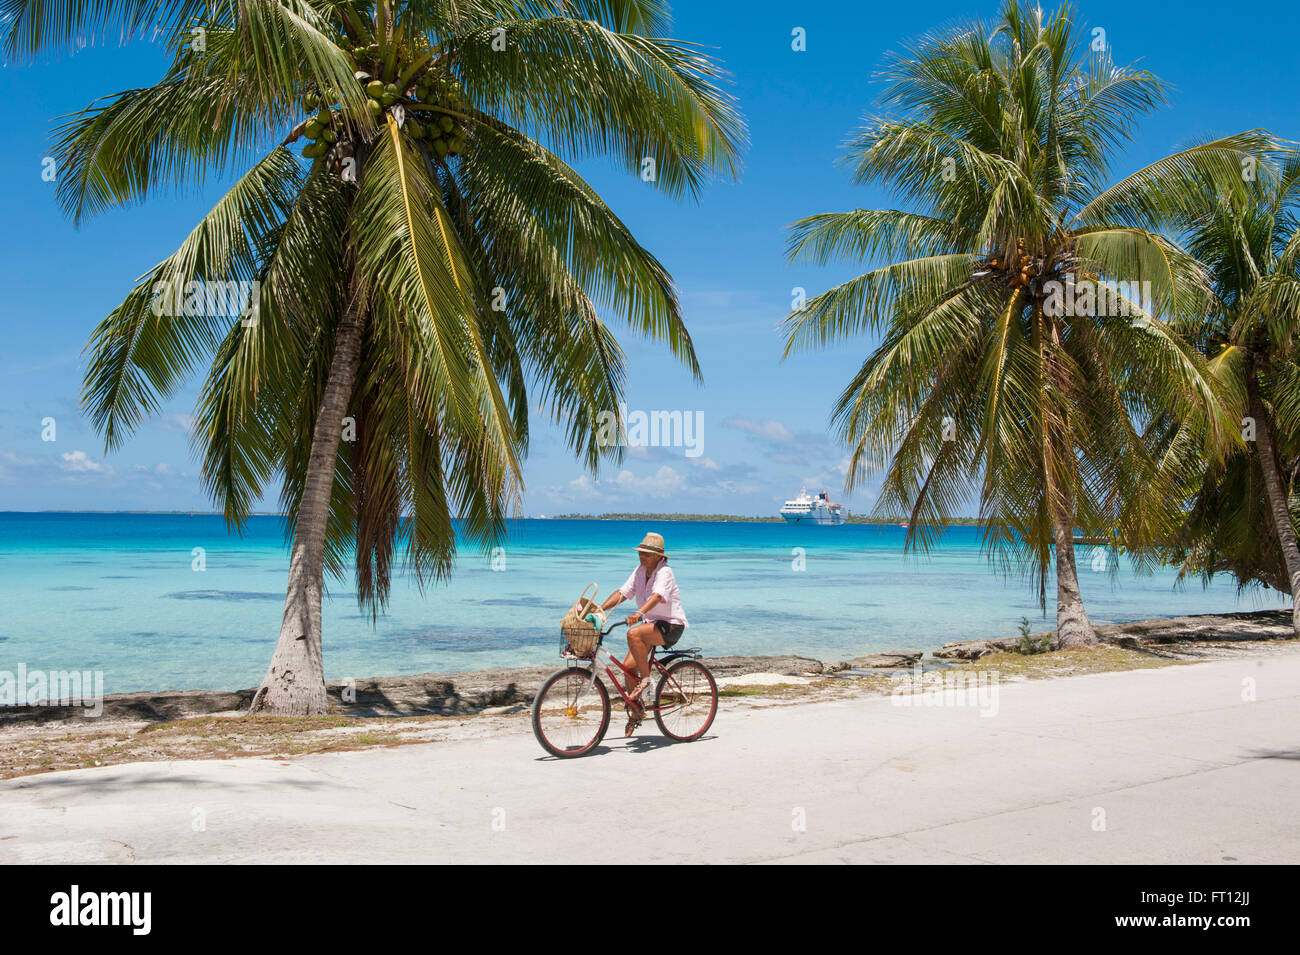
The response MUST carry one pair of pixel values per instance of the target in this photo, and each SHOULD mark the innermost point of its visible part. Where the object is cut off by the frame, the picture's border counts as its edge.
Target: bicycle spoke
(572, 713)
(687, 701)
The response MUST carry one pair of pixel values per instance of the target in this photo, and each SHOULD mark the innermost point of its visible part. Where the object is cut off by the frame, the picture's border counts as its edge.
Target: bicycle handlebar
(613, 626)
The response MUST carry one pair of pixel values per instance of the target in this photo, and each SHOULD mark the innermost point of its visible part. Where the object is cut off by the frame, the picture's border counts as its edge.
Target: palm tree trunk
(1073, 628)
(294, 684)
(1278, 505)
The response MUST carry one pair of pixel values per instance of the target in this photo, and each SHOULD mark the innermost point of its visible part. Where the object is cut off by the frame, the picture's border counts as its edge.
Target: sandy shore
(1131, 756)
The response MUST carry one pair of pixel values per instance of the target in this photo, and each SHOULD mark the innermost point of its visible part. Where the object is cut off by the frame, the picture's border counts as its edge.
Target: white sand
(762, 679)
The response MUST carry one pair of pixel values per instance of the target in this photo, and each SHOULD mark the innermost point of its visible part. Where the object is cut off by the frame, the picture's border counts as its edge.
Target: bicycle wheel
(571, 712)
(686, 701)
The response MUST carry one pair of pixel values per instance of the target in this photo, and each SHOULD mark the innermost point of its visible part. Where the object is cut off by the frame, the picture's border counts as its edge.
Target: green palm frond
(414, 214)
(590, 90)
(149, 343)
(982, 387)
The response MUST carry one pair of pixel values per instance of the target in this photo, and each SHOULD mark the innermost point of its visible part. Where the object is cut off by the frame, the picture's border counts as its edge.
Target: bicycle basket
(582, 636)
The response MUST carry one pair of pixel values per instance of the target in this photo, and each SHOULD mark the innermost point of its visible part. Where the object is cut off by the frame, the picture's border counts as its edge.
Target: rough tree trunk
(294, 684)
(1278, 505)
(1073, 628)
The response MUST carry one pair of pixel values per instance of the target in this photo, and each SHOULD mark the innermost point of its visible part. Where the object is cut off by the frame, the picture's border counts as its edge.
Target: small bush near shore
(1026, 644)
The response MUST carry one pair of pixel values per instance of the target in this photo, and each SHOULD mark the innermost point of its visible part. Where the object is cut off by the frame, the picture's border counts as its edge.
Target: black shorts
(671, 632)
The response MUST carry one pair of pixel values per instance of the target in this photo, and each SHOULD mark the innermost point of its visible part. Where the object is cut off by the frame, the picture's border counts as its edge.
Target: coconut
(440, 147)
(312, 130)
(446, 122)
(328, 135)
(375, 89)
(374, 107)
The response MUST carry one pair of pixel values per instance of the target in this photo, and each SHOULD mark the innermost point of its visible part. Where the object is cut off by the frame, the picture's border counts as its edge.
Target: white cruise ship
(814, 510)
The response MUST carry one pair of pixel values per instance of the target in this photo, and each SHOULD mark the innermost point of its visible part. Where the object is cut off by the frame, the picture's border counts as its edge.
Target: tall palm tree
(1013, 367)
(432, 271)
(1243, 509)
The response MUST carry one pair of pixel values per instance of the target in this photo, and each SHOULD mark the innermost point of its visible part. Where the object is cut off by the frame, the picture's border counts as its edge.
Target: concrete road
(1185, 764)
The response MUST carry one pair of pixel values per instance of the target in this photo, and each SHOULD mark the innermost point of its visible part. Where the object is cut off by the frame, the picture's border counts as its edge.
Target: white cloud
(662, 483)
(627, 486)
(769, 429)
(832, 476)
(12, 464)
(781, 445)
(176, 422)
(78, 461)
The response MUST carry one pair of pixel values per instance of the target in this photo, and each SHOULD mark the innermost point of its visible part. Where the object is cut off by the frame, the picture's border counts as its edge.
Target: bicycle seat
(674, 653)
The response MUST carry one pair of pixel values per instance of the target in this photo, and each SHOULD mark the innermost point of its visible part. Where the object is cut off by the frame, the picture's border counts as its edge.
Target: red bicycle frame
(631, 674)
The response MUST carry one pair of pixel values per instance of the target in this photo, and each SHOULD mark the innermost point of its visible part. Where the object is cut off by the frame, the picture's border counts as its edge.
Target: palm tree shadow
(1276, 754)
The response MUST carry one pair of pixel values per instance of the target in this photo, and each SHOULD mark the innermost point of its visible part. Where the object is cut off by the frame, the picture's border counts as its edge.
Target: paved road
(1167, 766)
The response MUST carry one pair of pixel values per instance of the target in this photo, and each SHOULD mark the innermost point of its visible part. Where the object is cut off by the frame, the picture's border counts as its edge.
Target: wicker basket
(582, 636)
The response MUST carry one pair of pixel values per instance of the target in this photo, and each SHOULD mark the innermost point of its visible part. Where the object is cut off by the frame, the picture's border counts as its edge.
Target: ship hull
(820, 520)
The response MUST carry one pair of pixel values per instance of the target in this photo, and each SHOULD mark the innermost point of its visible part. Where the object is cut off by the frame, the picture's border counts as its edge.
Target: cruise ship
(814, 510)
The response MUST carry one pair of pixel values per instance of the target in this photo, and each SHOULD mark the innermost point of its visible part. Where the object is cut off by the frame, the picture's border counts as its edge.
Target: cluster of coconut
(320, 129)
(444, 132)
(429, 105)
(1020, 268)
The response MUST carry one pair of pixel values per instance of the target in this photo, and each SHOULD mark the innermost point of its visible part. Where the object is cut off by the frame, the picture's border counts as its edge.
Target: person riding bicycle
(657, 622)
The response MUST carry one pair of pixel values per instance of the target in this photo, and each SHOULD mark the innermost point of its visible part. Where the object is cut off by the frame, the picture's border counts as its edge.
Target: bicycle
(571, 710)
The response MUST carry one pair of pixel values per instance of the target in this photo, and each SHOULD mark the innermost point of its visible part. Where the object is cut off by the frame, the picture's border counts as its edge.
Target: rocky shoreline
(457, 694)
(1196, 628)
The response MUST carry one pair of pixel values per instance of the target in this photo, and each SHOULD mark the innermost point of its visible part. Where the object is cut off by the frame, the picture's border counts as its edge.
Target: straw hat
(652, 544)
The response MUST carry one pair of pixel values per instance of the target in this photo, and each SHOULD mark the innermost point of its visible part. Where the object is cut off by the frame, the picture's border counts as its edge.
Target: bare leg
(639, 641)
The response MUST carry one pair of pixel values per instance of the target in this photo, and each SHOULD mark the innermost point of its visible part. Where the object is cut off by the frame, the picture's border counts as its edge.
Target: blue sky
(764, 420)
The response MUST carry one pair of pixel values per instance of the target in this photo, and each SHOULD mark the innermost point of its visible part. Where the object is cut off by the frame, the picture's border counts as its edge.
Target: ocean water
(119, 593)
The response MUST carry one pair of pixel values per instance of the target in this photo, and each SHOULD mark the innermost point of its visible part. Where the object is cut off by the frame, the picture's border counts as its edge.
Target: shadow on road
(637, 744)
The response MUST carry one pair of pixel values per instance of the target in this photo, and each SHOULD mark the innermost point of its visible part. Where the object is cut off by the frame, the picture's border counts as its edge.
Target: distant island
(741, 518)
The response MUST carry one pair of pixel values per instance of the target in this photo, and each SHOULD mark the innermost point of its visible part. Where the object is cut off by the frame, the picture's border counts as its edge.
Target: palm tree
(434, 270)
(1013, 366)
(1242, 514)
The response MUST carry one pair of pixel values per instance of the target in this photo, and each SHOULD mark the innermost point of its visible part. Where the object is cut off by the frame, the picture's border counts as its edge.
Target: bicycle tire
(550, 702)
(690, 679)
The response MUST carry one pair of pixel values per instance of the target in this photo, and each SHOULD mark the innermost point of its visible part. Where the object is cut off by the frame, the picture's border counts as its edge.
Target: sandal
(640, 688)
(635, 716)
